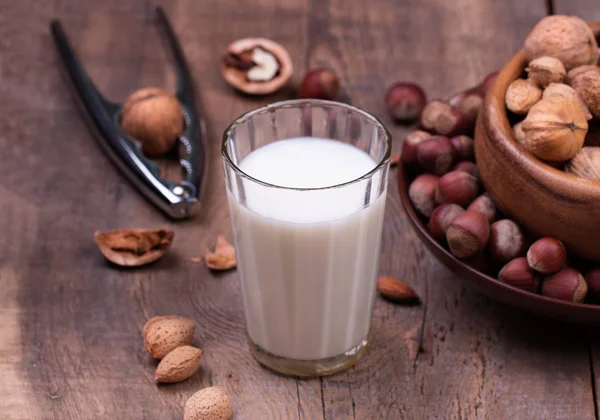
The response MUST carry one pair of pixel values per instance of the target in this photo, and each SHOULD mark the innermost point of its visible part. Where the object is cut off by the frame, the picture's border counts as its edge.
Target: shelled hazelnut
(518, 274)
(468, 234)
(422, 193)
(547, 255)
(568, 284)
(586, 164)
(521, 95)
(545, 70)
(435, 155)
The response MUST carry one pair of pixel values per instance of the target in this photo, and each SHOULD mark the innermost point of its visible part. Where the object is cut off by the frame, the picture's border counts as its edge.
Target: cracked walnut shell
(256, 66)
(134, 247)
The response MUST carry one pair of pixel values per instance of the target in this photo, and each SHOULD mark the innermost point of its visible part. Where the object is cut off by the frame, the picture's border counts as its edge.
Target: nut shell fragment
(223, 257)
(248, 65)
(134, 247)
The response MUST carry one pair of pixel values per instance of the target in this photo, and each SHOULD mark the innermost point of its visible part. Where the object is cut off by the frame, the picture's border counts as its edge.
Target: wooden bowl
(496, 290)
(545, 200)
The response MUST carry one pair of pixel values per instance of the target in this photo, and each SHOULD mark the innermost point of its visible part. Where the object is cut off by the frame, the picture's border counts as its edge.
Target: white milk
(308, 260)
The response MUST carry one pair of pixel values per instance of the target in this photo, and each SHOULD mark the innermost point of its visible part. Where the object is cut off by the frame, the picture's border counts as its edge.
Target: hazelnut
(592, 278)
(547, 255)
(521, 95)
(555, 129)
(320, 84)
(586, 82)
(468, 234)
(421, 193)
(256, 66)
(507, 241)
(457, 187)
(484, 205)
(435, 155)
(442, 118)
(566, 91)
(519, 133)
(545, 70)
(586, 164)
(154, 117)
(405, 101)
(568, 284)
(567, 38)
(517, 273)
(463, 147)
(487, 83)
(469, 102)
(441, 218)
(468, 167)
(409, 147)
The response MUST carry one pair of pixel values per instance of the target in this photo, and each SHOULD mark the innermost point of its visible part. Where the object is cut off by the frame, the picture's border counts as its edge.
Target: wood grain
(71, 324)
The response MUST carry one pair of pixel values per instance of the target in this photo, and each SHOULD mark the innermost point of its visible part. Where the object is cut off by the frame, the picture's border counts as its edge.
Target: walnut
(586, 164)
(521, 95)
(586, 82)
(545, 70)
(567, 38)
(555, 129)
(566, 91)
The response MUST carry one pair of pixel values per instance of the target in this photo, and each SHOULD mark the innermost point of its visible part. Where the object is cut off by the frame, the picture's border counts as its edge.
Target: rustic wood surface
(70, 324)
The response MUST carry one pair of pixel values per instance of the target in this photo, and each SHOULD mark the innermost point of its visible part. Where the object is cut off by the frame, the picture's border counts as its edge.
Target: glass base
(320, 367)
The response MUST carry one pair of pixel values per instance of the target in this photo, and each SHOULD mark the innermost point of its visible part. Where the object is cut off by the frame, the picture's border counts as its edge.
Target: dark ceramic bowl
(496, 290)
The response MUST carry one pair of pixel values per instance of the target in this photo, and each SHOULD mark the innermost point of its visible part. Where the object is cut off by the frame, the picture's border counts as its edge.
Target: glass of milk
(306, 184)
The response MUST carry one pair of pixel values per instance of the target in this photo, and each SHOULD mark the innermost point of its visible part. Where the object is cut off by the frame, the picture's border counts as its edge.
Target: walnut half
(256, 66)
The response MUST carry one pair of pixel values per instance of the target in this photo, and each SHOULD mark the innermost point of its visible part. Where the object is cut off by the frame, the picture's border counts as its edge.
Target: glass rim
(376, 122)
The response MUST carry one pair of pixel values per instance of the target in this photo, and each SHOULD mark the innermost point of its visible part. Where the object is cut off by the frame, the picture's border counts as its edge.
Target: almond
(165, 333)
(223, 258)
(208, 404)
(178, 365)
(395, 290)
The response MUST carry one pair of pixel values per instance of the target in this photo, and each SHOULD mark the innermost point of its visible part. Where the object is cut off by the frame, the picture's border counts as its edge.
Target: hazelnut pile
(558, 95)
(464, 218)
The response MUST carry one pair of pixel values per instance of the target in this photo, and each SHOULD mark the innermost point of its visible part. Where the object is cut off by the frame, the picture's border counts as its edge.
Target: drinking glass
(308, 281)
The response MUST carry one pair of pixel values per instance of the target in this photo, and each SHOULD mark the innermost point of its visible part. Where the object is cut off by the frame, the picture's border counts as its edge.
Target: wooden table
(70, 324)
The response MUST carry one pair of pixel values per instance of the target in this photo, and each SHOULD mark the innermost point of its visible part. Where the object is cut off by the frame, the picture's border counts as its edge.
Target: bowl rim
(584, 310)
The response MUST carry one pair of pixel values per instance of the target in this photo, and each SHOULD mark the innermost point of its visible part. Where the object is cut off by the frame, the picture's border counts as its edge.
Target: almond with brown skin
(134, 247)
(223, 257)
(178, 365)
(395, 290)
(165, 333)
